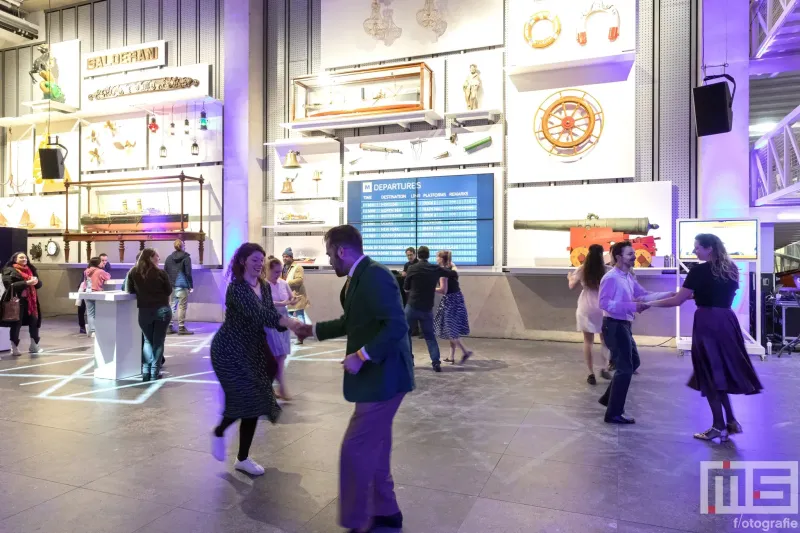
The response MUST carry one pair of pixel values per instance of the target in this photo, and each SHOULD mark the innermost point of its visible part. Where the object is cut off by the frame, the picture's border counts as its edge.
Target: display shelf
(305, 141)
(330, 125)
(492, 115)
(549, 271)
(298, 228)
(101, 112)
(520, 75)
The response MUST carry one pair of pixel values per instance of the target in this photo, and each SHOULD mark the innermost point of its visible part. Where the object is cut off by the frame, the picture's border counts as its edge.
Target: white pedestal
(5, 339)
(118, 339)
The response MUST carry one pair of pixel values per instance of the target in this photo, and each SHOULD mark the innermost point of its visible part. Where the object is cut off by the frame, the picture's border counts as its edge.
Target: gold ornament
(291, 160)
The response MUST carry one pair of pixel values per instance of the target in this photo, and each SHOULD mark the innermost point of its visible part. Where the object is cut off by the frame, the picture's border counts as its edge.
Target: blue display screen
(453, 213)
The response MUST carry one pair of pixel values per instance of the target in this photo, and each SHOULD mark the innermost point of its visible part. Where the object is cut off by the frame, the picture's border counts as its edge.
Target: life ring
(542, 16)
(599, 6)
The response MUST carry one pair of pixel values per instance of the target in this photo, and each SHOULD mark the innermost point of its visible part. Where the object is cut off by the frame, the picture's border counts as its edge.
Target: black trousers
(619, 340)
(33, 331)
(82, 315)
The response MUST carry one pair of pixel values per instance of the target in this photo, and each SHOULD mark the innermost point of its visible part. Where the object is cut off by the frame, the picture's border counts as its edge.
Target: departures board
(453, 213)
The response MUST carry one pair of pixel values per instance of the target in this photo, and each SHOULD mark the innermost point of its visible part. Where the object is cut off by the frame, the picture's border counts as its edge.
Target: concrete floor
(513, 442)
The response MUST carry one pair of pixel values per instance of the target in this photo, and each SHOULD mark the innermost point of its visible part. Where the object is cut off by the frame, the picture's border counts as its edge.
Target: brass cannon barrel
(634, 226)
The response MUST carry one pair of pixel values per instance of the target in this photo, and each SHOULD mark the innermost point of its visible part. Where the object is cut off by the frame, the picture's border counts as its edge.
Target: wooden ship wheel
(569, 123)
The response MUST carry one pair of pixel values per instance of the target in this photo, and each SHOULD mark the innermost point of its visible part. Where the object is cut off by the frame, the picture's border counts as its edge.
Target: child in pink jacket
(95, 279)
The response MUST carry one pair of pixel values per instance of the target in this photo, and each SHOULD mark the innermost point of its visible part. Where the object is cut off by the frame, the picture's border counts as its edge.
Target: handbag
(10, 308)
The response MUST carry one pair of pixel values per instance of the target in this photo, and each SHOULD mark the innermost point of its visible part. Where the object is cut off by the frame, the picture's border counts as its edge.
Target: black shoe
(171, 331)
(620, 419)
(437, 366)
(394, 521)
(605, 374)
(591, 380)
(82, 331)
(145, 378)
(184, 331)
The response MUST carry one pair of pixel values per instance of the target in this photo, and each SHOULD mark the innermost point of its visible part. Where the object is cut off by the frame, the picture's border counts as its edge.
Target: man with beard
(378, 374)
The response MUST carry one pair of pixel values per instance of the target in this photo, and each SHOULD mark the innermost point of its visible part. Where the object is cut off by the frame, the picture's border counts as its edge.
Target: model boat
(148, 220)
(295, 218)
(55, 222)
(3, 221)
(25, 221)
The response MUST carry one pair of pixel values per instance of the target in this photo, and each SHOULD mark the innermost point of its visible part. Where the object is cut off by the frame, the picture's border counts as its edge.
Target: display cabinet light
(172, 122)
(195, 148)
(153, 126)
(186, 127)
(203, 120)
(172, 128)
(163, 151)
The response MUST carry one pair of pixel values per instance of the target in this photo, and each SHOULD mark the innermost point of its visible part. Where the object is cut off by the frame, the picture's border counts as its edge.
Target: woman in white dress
(280, 342)
(589, 315)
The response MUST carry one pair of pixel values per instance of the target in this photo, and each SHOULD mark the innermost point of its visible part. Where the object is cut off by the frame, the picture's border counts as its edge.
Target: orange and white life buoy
(599, 6)
(542, 16)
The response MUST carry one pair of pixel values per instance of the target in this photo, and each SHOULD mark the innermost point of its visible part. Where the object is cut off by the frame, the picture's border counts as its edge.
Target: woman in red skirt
(719, 357)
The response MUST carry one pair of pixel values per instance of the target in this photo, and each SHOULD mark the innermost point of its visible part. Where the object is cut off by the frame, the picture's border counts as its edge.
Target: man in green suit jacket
(378, 374)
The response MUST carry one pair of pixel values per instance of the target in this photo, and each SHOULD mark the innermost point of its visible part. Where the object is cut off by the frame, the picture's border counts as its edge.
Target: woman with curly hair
(719, 357)
(241, 357)
(21, 280)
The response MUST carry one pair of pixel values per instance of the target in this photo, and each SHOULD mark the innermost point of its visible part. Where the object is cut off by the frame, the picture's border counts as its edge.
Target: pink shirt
(97, 277)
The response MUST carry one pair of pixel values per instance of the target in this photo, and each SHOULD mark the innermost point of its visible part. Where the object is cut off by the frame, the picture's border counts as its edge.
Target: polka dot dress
(238, 353)
(452, 320)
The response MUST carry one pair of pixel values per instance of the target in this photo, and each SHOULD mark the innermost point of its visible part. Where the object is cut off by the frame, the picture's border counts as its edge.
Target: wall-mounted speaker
(713, 107)
(52, 161)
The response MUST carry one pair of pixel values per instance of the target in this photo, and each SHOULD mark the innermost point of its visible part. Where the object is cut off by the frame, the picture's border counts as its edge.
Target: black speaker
(52, 161)
(12, 240)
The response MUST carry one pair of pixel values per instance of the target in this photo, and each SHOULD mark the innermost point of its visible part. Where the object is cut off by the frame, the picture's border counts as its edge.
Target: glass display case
(379, 90)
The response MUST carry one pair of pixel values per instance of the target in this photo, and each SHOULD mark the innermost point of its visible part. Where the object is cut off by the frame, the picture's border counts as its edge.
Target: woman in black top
(151, 286)
(21, 280)
(451, 321)
(719, 357)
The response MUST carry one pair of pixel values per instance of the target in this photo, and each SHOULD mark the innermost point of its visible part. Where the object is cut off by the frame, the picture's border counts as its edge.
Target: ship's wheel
(578, 255)
(569, 123)
(643, 258)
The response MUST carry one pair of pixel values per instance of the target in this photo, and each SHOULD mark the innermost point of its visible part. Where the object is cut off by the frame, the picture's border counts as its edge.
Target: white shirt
(619, 292)
(349, 277)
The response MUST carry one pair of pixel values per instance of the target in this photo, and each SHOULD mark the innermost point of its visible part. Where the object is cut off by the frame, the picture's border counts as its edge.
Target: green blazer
(373, 319)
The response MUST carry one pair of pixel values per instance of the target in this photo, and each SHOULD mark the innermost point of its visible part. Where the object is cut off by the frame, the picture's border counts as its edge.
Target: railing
(775, 162)
(766, 17)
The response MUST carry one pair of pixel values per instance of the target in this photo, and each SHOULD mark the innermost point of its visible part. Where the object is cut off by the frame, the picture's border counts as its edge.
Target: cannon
(603, 231)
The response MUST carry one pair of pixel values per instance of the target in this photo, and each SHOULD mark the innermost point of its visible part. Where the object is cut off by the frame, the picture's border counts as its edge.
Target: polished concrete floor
(513, 442)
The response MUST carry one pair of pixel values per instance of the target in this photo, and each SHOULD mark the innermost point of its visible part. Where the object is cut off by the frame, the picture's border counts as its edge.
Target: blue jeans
(91, 313)
(154, 323)
(425, 319)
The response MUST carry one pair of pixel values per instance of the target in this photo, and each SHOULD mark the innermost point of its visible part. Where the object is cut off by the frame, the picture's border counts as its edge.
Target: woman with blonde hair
(280, 342)
(451, 321)
(719, 357)
(589, 316)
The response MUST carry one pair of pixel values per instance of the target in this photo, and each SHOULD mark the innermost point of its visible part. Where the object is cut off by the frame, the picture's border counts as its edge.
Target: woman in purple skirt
(719, 357)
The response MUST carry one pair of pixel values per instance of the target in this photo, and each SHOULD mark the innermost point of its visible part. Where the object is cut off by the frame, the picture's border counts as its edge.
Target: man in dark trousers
(378, 374)
(105, 265)
(179, 269)
(420, 283)
(411, 255)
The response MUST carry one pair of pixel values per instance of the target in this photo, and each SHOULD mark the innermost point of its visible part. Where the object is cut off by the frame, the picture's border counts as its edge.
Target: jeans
(91, 312)
(619, 340)
(154, 323)
(179, 301)
(425, 319)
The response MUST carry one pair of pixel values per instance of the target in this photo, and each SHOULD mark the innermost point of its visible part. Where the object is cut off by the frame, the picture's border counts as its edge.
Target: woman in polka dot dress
(451, 321)
(239, 354)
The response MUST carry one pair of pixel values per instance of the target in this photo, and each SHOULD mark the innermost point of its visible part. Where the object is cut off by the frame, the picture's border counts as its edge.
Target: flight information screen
(453, 213)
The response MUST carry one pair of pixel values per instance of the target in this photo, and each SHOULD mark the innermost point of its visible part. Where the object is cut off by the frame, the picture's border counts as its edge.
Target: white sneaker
(250, 467)
(15, 349)
(218, 446)
(35, 348)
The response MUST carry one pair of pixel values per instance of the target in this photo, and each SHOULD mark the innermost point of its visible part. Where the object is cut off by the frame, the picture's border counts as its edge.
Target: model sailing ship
(144, 220)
